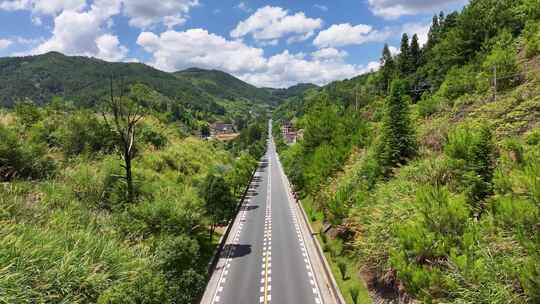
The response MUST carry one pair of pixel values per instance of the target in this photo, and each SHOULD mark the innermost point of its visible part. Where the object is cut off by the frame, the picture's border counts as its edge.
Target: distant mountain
(86, 80)
(224, 86)
(280, 95)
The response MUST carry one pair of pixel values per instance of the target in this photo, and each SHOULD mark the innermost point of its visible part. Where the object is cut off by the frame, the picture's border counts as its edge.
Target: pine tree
(433, 36)
(398, 142)
(404, 58)
(416, 53)
(387, 67)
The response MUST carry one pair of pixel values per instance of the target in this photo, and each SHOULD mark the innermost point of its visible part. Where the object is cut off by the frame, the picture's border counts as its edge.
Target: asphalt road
(265, 260)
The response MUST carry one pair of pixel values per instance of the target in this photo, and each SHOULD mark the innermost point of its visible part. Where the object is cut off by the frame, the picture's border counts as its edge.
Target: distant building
(288, 132)
(220, 128)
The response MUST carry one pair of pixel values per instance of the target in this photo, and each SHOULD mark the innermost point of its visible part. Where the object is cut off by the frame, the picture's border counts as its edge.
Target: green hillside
(224, 86)
(428, 170)
(85, 80)
(281, 95)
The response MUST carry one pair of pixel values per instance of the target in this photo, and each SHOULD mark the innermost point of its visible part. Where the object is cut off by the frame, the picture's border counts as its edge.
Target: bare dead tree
(125, 115)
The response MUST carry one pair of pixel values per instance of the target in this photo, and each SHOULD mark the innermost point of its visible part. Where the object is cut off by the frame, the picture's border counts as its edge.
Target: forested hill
(85, 80)
(226, 86)
(223, 85)
(295, 91)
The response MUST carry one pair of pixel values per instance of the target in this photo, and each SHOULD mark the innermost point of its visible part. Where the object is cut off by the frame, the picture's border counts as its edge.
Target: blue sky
(267, 43)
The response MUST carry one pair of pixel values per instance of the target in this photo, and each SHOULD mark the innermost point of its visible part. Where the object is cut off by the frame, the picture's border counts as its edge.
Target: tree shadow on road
(248, 207)
(235, 250)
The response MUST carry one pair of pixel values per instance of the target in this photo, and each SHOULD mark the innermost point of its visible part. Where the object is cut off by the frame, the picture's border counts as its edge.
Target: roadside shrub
(533, 137)
(170, 211)
(426, 241)
(151, 136)
(324, 238)
(519, 215)
(355, 292)
(292, 159)
(531, 33)
(503, 57)
(45, 132)
(84, 133)
(27, 113)
(371, 168)
(514, 148)
(146, 287)
(529, 180)
(342, 266)
(86, 182)
(177, 255)
(188, 287)
(474, 151)
(20, 159)
(428, 105)
(336, 209)
(459, 81)
(530, 278)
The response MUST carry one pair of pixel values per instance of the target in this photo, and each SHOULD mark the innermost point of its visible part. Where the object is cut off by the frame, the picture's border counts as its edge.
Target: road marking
(267, 242)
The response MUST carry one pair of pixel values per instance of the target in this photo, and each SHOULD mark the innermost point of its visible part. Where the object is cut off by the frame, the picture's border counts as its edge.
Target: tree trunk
(129, 177)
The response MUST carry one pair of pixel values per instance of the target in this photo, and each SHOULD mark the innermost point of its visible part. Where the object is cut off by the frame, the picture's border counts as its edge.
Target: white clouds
(323, 8)
(82, 33)
(244, 7)
(392, 9)
(144, 13)
(74, 33)
(45, 7)
(287, 69)
(329, 54)
(173, 50)
(346, 34)
(422, 30)
(109, 48)
(13, 5)
(372, 66)
(270, 23)
(51, 7)
(5, 43)
(141, 13)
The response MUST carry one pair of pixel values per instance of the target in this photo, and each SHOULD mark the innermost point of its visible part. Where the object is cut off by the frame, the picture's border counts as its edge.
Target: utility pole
(356, 98)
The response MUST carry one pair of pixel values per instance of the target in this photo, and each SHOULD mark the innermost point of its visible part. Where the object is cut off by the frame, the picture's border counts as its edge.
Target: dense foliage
(427, 170)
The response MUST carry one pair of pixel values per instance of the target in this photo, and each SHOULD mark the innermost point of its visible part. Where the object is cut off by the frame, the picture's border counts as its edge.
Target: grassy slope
(58, 245)
(513, 113)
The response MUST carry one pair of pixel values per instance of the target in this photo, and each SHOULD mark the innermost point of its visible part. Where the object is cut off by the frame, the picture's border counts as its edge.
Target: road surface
(268, 257)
